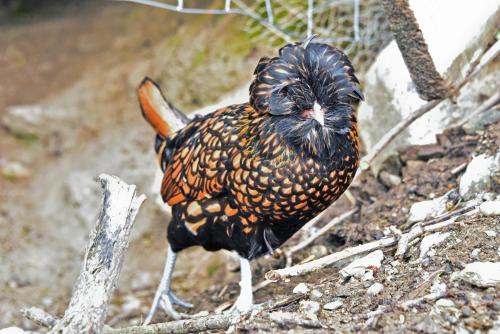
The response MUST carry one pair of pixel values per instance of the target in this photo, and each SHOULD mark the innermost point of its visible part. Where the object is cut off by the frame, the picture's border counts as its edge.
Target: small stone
(12, 330)
(488, 197)
(466, 311)
(444, 302)
(495, 329)
(368, 276)
(47, 301)
(316, 294)
(310, 309)
(461, 330)
(14, 170)
(375, 289)
(489, 297)
(332, 306)
(432, 208)
(490, 208)
(475, 253)
(482, 274)
(490, 233)
(477, 176)
(426, 152)
(431, 240)
(389, 180)
(301, 288)
(438, 289)
(359, 267)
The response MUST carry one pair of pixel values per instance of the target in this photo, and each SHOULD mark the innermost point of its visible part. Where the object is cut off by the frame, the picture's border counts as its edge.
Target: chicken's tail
(160, 113)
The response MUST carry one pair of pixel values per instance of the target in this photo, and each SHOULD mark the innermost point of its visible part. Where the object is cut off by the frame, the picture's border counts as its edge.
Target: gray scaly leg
(164, 297)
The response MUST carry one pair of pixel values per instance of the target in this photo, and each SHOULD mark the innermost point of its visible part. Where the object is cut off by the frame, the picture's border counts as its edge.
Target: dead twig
(39, 316)
(405, 239)
(460, 168)
(195, 325)
(289, 319)
(280, 274)
(487, 105)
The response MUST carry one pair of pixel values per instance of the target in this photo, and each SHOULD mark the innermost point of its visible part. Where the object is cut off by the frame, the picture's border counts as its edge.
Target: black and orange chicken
(247, 177)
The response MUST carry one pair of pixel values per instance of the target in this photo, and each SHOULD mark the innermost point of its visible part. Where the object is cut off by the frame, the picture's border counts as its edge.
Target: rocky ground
(424, 291)
(49, 200)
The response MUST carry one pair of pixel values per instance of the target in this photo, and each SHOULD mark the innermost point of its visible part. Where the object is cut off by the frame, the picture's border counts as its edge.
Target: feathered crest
(301, 72)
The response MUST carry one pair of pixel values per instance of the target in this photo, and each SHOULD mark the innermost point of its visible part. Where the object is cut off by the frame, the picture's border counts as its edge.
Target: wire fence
(358, 27)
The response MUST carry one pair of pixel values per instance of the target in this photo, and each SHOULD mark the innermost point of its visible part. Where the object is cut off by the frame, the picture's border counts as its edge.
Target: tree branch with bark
(429, 83)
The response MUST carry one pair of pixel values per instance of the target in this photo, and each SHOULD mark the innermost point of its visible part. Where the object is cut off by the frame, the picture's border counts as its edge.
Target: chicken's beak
(318, 114)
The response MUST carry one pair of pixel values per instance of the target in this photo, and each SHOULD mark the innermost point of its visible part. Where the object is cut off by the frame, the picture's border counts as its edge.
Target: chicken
(245, 178)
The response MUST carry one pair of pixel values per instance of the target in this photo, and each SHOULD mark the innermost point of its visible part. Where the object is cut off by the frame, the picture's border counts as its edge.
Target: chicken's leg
(245, 300)
(164, 296)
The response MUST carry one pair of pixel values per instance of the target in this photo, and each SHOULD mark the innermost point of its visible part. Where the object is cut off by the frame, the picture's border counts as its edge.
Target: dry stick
(195, 325)
(199, 324)
(103, 259)
(403, 124)
(429, 83)
(459, 169)
(39, 316)
(280, 274)
(394, 132)
(487, 105)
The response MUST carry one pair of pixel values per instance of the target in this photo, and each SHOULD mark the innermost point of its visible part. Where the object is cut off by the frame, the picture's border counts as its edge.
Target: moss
(212, 269)
(199, 57)
(24, 137)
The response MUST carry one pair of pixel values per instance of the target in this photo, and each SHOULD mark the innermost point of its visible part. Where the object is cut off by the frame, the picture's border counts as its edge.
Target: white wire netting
(359, 27)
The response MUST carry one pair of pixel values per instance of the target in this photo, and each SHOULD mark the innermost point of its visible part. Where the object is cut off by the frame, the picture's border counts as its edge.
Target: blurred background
(68, 112)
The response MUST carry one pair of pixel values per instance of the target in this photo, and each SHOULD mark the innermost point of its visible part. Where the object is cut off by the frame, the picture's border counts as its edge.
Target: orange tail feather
(162, 116)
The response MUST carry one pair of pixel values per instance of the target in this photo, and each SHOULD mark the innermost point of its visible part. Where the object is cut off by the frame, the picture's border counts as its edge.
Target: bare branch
(39, 316)
(429, 83)
(394, 132)
(195, 325)
(490, 103)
